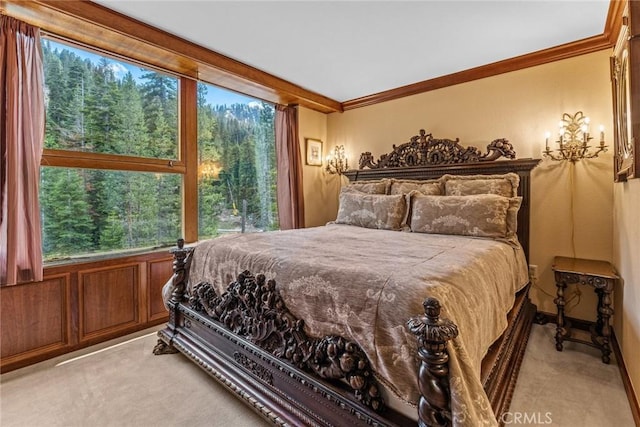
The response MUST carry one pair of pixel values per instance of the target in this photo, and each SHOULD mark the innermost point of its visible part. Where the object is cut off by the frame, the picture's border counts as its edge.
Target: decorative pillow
(372, 210)
(482, 215)
(466, 185)
(431, 187)
(368, 187)
(512, 216)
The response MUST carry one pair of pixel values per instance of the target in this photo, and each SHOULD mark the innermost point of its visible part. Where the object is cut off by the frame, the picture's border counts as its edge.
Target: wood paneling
(158, 274)
(81, 304)
(108, 300)
(34, 316)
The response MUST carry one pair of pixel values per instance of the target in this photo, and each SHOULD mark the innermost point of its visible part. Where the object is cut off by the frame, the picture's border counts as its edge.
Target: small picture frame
(314, 152)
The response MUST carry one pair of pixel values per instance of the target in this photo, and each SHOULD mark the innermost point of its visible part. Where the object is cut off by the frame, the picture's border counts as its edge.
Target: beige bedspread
(365, 284)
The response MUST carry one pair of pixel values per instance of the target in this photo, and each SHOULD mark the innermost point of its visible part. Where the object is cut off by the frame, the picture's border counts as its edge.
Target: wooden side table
(602, 276)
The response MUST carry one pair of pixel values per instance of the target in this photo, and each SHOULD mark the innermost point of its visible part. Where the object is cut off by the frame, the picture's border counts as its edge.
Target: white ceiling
(349, 49)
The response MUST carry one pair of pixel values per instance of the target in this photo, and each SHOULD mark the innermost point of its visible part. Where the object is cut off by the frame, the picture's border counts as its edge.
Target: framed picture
(314, 152)
(626, 103)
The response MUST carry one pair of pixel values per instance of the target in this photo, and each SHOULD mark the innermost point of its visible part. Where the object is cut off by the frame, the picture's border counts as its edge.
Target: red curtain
(22, 117)
(289, 182)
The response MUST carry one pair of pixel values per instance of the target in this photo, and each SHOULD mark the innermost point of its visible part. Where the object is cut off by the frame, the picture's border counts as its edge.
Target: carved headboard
(425, 157)
(423, 149)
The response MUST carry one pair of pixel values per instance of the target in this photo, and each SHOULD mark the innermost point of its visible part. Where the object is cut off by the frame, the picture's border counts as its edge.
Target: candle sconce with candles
(337, 161)
(573, 139)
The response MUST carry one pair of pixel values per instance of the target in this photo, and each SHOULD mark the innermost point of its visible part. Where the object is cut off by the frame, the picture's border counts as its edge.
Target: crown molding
(606, 40)
(564, 51)
(613, 25)
(102, 28)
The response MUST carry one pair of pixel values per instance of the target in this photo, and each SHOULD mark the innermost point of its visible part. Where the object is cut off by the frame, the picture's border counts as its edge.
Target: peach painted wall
(574, 207)
(567, 199)
(626, 254)
(320, 188)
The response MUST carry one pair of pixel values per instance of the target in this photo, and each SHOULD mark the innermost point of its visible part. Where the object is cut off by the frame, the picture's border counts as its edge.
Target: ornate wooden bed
(249, 341)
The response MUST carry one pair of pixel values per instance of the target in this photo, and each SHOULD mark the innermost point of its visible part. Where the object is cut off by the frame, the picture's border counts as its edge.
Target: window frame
(94, 160)
(186, 94)
(89, 160)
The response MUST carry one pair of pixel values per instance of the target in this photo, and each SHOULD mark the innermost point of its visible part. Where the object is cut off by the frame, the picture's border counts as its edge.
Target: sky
(215, 95)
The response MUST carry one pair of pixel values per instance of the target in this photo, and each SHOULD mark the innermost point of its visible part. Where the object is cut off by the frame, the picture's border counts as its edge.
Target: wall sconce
(337, 162)
(573, 137)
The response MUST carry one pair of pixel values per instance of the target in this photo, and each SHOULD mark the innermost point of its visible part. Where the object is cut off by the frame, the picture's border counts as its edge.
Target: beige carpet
(573, 386)
(125, 385)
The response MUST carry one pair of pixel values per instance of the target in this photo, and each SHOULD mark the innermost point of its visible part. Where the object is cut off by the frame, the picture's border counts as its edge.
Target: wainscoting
(81, 304)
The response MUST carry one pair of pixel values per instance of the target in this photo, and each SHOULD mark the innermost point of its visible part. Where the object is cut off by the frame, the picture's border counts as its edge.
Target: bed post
(181, 264)
(433, 332)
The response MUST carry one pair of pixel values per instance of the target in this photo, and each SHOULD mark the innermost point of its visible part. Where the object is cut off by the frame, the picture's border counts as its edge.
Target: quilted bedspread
(365, 284)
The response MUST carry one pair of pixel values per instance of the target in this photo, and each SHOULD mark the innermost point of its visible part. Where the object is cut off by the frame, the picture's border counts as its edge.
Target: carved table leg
(434, 405)
(600, 293)
(605, 311)
(560, 303)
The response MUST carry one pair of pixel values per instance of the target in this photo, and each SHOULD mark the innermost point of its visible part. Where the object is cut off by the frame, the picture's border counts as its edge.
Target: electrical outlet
(533, 272)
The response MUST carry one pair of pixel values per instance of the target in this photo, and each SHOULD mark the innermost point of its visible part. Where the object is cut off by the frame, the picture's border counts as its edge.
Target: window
(236, 163)
(111, 176)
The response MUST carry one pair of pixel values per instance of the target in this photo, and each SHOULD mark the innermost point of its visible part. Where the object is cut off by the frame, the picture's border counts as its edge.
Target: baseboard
(544, 317)
(628, 387)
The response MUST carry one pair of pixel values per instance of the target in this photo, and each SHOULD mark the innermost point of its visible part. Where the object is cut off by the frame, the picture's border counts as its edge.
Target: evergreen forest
(93, 106)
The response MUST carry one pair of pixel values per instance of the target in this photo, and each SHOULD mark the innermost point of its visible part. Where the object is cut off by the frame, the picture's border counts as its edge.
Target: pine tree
(90, 109)
(112, 236)
(210, 196)
(67, 224)
(55, 93)
(77, 84)
(132, 134)
(102, 110)
(161, 113)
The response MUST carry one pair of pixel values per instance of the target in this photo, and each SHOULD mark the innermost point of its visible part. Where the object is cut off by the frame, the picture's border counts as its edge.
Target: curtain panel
(289, 182)
(22, 117)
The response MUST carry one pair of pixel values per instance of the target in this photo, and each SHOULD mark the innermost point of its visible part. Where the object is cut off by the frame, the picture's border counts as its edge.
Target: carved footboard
(252, 309)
